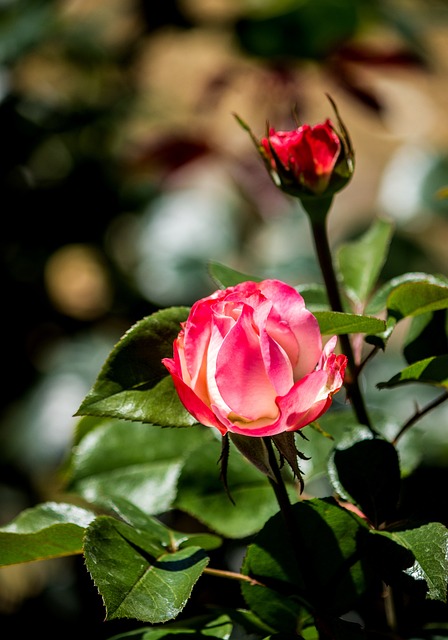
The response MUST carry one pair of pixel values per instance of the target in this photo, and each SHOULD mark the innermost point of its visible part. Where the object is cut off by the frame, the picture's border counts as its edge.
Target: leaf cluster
(139, 460)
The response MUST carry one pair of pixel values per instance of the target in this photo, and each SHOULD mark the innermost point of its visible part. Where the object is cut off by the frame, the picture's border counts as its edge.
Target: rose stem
(318, 227)
(278, 484)
(281, 494)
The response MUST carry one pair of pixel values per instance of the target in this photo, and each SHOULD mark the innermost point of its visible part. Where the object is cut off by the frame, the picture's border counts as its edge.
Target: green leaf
(160, 535)
(427, 336)
(432, 371)
(133, 383)
(413, 294)
(202, 494)
(365, 470)
(85, 425)
(226, 277)
(429, 545)
(49, 530)
(209, 626)
(134, 580)
(379, 300)
(361, 261)
(321, 569)
(337, 323)
(247, 620)
(315, 296)
(414, 298)
(380, 339)
(137, 461)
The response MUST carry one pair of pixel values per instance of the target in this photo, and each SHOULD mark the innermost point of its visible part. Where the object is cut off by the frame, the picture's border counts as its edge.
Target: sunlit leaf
(378, 301)
(138, 461)
(134, 580)
(133, 383)
(337, 323)
(432, 371)
(49, 530)
(414, 298)
(361, 261)
(156, 532)
(429, 545)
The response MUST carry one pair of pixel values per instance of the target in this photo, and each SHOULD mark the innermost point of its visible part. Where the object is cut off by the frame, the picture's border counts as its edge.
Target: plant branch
(232, 575)
(367, 359)
(419, 414)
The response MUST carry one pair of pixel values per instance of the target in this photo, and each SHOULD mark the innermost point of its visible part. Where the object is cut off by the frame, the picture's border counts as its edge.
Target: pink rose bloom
(249, 360)
(309, 154)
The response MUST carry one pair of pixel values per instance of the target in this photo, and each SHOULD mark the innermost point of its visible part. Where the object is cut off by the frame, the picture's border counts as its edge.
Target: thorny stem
(419, 414)
(281, 494)
(279, 487)
(318, 227)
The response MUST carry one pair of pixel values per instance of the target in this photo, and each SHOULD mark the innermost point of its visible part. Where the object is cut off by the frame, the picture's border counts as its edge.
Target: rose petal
(240, 372)
(191, 402)
(290, 306)
(196, 338)
(323, 146)
(308, 153)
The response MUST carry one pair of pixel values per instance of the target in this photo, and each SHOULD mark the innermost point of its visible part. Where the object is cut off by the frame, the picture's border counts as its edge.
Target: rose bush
(249, 360)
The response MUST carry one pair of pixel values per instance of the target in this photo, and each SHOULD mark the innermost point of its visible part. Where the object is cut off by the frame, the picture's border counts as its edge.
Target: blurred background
(124, 171)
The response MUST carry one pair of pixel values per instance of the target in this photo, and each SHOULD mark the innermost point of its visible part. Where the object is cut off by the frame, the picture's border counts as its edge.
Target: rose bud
(310, 161)
(249, 360)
